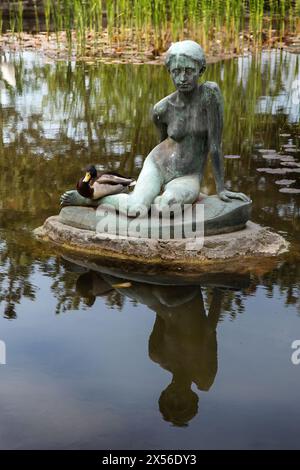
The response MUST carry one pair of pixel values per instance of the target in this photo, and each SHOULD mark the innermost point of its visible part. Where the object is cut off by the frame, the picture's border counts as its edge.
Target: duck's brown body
(95, 185)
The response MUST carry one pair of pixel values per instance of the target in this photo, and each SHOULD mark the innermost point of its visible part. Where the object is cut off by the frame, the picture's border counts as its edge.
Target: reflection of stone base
(252, 242)
(81, 264)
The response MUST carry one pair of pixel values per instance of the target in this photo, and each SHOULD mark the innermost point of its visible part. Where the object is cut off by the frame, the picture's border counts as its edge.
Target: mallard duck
(95, 185)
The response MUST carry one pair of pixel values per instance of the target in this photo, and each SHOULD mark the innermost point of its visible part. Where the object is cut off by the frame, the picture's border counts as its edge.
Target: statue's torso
(186, 121)
(186, 147)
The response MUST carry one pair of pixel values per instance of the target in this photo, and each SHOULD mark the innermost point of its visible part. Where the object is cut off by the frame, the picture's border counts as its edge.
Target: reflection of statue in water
(190, 122)
(183, 340)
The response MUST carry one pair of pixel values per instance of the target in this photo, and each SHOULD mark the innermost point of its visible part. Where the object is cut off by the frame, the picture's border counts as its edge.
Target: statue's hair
(189, 49)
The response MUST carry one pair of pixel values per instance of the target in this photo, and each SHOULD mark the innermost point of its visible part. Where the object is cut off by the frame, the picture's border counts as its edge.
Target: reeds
(158, 22)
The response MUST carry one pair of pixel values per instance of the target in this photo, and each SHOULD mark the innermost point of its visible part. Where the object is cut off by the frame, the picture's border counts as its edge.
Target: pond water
(97, 361)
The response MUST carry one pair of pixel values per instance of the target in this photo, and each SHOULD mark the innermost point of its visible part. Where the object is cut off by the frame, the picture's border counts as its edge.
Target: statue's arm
(215, 128)
(158, 119)
(215, 113)
(215, 308)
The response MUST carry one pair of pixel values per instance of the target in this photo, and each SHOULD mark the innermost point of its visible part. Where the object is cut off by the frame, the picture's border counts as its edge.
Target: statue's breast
(177, 128)
(189, 121)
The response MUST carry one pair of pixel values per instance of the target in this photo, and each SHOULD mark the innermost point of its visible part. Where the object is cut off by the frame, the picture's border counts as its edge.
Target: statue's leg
(182, 190)
(73, 198)
(147, 187)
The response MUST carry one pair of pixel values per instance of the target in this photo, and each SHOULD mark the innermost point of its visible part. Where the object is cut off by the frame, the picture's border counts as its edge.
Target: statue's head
(178, 404)
(185, 60)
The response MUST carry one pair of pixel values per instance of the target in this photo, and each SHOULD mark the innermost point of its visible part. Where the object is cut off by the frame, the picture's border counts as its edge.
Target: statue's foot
(137, 209)
(164, 203)
(227, 196)
(73, 198)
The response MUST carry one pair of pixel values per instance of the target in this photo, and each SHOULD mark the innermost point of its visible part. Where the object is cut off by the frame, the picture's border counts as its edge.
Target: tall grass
(158, 22)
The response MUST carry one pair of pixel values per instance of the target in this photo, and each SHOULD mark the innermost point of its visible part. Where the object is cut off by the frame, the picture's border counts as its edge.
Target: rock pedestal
(230, 252)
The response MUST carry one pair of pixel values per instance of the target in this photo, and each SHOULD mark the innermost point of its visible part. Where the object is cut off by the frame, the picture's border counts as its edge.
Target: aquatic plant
(156, 23)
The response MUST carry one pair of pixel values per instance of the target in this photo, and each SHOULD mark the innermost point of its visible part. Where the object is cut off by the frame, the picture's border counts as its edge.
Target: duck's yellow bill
(87, 178)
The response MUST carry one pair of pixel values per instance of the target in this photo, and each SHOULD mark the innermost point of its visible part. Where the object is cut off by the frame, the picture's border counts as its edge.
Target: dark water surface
(92, 364)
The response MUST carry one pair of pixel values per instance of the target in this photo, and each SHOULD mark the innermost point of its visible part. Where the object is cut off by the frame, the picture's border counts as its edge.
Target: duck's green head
(83, 186)
(91, 173)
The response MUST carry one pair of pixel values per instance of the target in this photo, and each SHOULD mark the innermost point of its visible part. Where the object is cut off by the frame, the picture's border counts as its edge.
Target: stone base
(217, 217)
(229, 252)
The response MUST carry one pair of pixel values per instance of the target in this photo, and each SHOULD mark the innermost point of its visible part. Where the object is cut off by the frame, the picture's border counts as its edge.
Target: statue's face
(185, 73)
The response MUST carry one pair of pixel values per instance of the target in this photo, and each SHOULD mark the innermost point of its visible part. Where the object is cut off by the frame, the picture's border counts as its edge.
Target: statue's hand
(226, 196)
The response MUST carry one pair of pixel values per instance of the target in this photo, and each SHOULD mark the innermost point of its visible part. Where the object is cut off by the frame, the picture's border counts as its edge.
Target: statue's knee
(168, 199)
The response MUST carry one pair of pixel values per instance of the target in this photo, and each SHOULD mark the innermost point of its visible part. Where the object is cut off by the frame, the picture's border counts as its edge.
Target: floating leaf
(278, 171)
(272, 156)
(267, 151)
(290, 190)
(272, 171)
(285, 182)
(291, 164)
(287, 158)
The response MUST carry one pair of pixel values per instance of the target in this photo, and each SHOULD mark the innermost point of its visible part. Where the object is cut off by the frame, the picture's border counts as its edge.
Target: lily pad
(278, 171)
(289, 190)
(232, 156)
(272, 156)
(285, 182)
(267, 151)
(272, 171)
(291, 164)
(287, 158)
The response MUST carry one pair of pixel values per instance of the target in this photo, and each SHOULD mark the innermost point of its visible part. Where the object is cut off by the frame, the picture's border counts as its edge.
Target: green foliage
(158, 22)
